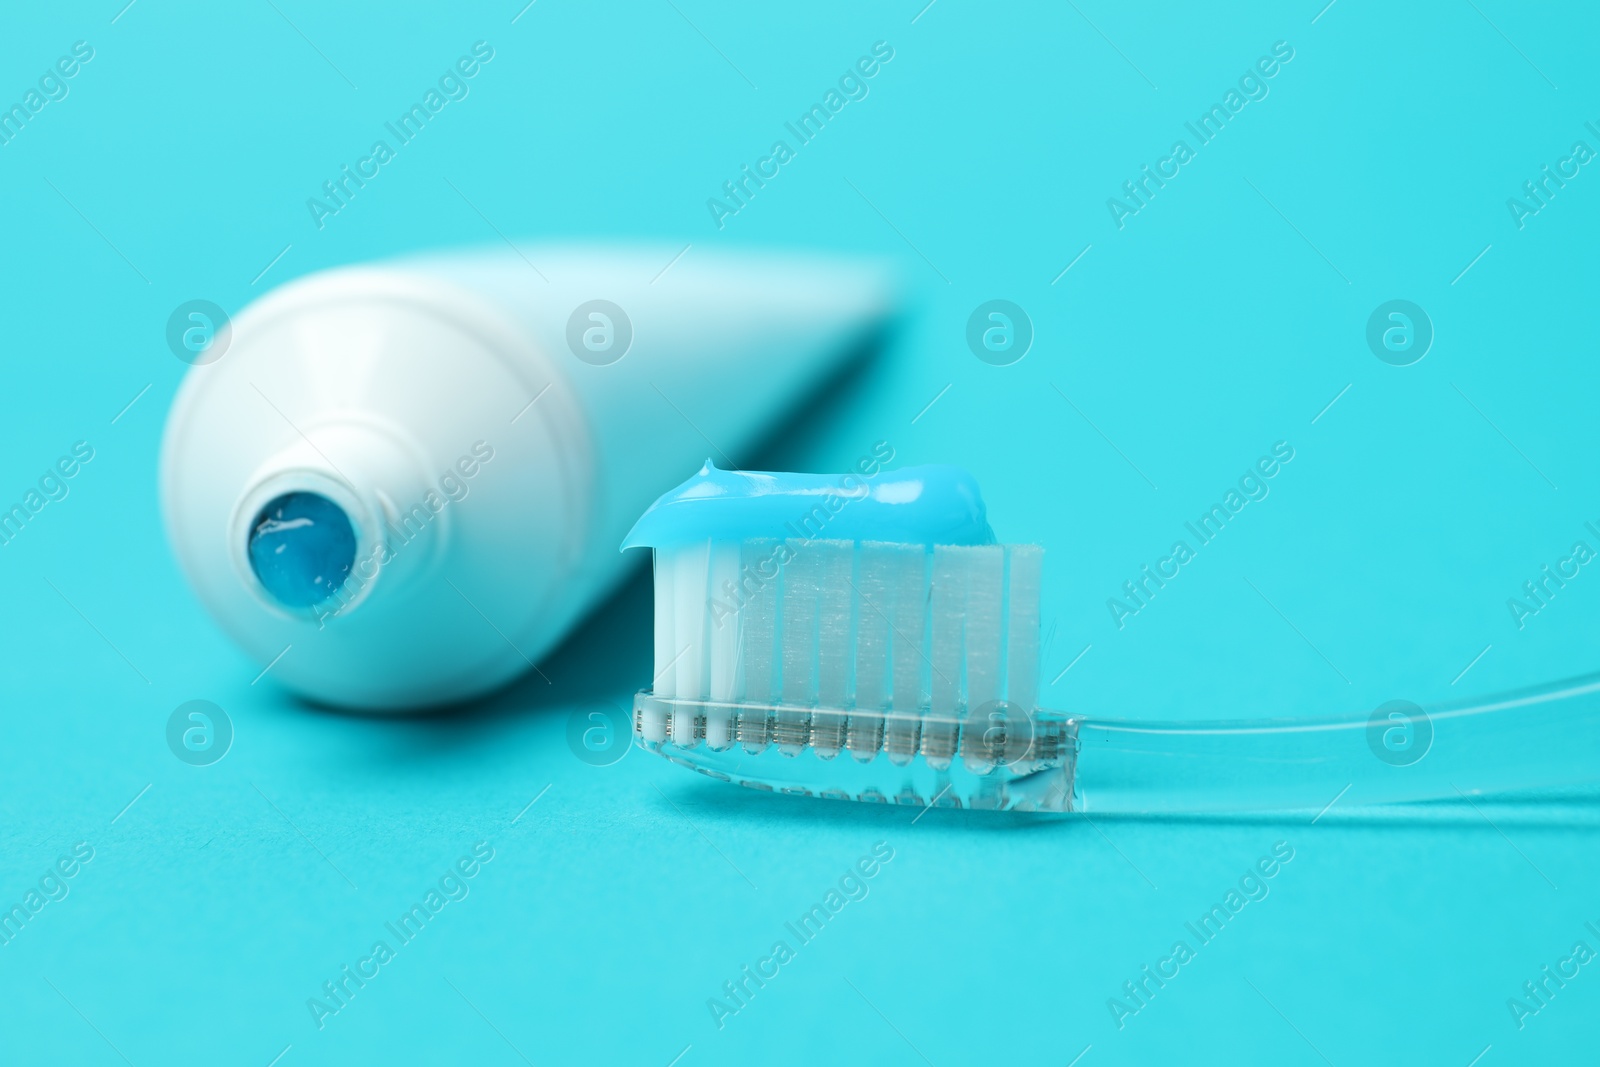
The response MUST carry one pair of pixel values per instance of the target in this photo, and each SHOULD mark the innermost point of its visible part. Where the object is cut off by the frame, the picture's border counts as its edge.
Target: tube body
(491, 431)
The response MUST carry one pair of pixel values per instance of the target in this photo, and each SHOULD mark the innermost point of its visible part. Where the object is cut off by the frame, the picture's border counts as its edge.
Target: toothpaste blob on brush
(849, 637)
(918, 505)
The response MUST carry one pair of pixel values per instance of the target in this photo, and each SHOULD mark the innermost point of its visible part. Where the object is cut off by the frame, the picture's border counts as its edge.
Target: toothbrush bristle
(858, 646)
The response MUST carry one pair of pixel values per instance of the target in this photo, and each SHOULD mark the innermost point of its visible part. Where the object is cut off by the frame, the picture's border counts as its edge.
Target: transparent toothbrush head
(999, 757)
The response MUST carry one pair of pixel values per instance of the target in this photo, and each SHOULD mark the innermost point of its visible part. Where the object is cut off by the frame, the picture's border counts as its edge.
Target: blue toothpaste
(929, 505)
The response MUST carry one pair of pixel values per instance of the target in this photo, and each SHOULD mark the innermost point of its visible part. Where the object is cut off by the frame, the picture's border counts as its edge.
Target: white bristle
(908, 621)
(1022, 625)
(947, 603)
(760, 575)
(653, 724)
(835, 646)
(666, 611)
(801, 591)
(800, 594)
(870, 593)
(813, 642)
(985, 639)
(690, 573)
(908, 614)
(723, 641)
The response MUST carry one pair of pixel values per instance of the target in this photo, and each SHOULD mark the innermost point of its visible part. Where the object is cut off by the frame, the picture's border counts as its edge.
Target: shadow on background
(718, 801)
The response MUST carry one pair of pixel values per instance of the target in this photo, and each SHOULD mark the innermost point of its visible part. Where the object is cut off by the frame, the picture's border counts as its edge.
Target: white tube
(487, 471)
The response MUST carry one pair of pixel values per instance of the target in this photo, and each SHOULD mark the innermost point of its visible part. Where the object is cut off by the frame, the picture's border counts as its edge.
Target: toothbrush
(863, 637)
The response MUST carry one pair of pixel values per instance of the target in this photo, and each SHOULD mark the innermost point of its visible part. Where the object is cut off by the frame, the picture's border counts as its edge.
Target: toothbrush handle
(1541, 737)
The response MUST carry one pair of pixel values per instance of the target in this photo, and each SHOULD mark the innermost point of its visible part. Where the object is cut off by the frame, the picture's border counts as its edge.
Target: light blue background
(1207, 329)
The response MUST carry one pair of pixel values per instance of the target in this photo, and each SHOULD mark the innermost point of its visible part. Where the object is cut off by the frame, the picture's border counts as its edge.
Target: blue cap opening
(302, 547)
